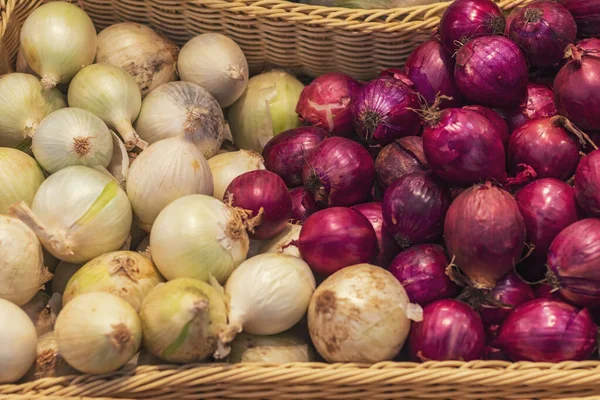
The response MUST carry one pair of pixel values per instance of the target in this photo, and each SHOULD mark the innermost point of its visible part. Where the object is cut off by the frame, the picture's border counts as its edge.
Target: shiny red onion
(468, 19)
(286, 153)
(399, 158)
(543, 29)
(264, 194)
(587, 184)
(546, 146)
(492, 71)
(431, 68)
(463, 147)
(484, 233)
(382, 111)
(421, 269)
(325, 103)
(303, 205)
(399, 74)
(339, 172)
(538, 103)
(450, 330)
(414, 208)
(545, 330)
(586, 14)
(495, 118)
(388, 247)
(335, 238)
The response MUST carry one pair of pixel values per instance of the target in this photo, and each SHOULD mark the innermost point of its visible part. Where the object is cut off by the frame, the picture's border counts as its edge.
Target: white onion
(23, 104)
(182, 319)
(360, 314)
(216, 63)
(196, 237)
(72, 136)
(58, 39)
(268, 294)
(78, 213)
(178, 107)
(227, 166)
(282, 348)
(49, 362)
(147, 56)
(63, 273)
(110, 93)
(20, 178)
(98, 332)
(18, 338)
(281, 243)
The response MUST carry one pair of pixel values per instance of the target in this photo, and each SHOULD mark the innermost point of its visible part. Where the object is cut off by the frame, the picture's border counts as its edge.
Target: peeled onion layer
(19, 337)
(20, 178)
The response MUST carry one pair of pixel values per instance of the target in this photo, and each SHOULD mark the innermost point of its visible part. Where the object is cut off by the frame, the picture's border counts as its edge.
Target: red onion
(450, 330)
(509, 19)
(587, 184)
(544, 145)
(546, 291)
(543, 29)
(303, 205)
(463, 147)
(538, 103)
(492, 71)
(335, 238)
(325, 103)
(590, 46)
(586, 14)
(339, 172)
(421, 270)
(484, 233)
(388, 247)
(265, 195)
(431, 68)
(414, 208)
(495, 118)
(545, 330)
(287, 152)
(399, 158)
(399, 74)
(382, 111)
(467, 19)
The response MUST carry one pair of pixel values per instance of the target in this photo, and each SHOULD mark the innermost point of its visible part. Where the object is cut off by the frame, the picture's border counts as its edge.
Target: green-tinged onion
(225, 167)
(20, 178)
(282, 348)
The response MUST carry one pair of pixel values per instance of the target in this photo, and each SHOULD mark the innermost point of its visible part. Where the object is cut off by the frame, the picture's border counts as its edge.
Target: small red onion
(586, 14)
(492, 71)
(538, 103)
(421, 269)
(468, 19)
(450, 330)
(303, 205)
(264, 194)
(485, 234)
(335, 238)
(287, 152)
(325, 103)
(383, 111)
(587, 184)
(388, 247)
(431, 68)
(339, 172)
(495, 118)
(399, 74)
(545, 330)
(543, 29)
(414, 208)
(399, 158)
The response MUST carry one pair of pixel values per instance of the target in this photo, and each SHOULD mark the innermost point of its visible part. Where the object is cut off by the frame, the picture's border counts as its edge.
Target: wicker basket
(310, 40)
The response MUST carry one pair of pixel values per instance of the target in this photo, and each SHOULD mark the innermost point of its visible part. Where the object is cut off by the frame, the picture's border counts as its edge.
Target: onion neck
(49, 82)
(233, 328)
(315, 185)
(235, 72)
(46, 363)
(29, 129)
(533, 14)
(498, 25)
(575, 54)
(129, 135)
(565, 123)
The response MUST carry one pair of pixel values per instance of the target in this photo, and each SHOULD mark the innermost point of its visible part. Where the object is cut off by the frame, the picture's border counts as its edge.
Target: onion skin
(545, 330)
(586, 14)
(414, 208)
(339, 172)
(538, 103)
(587, 184)
(399, 74)
(492, 71)
(388, 247)
(590, 45)
(421, 269)
(436, 339)
(399, 158)
(287, 152)
(484, 233)
(495, 118)
(335, 238)
(303, 205)
(325, 103)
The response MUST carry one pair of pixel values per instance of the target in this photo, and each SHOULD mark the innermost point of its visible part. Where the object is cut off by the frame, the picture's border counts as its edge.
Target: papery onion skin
(49, 363)
(414, 208)
(495, 118)
(484, 234)
(492, 71)
(388, 248)
(16, 330)
(399, 74)
(399, 158)
(339, 172)
(282, 243)
(303, 204)
(421, 269)
(538, 103)
(590, 45)
(335, 238)
(586, 14)
(287, 152)
(225, 167)
(450, 330)
(326, 103)
(587, 184)
(282, 348)
(545, 330)
(20, 178)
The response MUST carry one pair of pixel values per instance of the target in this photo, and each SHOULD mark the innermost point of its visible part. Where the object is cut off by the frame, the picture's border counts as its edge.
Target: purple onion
(545, 330)
(399, 158)
(421, 269)
(450, 330)
(546, 291)
(388, 247)
(286, 153)
(587, 184)
(303, 205)
(586, 14)
(495, 118)
(399, 74)
(492, 71)
(538, 103)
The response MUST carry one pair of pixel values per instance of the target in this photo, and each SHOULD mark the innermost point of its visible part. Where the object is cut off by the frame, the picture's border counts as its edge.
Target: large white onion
(147, 56)
(282, 348)
(18, 338)
(281, 243)
(360, 314)
(20, 178)
(196, 237)
(225, 167)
